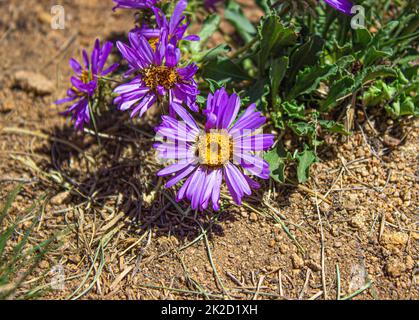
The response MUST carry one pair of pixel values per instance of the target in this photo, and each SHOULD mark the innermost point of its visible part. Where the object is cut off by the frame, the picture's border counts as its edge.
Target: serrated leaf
(309, 79)
(273, 34)
(277, 159)
(305, 55)
(304, 159)
(376, 72)
(302, 128)
(224, 69)
(276, 75)
(338, 89)
(293, 110)
(361, 38)
(372, 55)
(403, 107)
(333, 126)
(258, 93)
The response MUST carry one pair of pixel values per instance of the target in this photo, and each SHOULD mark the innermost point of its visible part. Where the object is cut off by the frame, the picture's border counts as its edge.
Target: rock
(297, 261)
(349, 206)
(410, 263)
(314, 266)
(59, 198)
(394, 239)
(338, 244)
(391, 141)
(253, 216)
(33, 82)
(357, 221)
(283, 248)
(324, 207)
(395, 268)
(44, 265)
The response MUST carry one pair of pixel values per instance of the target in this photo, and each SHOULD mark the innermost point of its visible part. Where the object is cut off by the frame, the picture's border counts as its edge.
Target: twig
(337, 282)
(62, 49)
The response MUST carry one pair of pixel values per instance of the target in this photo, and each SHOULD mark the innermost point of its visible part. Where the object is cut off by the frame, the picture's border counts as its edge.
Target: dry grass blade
(220, 282)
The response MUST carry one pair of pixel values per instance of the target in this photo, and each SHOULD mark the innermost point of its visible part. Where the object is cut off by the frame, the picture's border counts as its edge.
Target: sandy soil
(131, 239)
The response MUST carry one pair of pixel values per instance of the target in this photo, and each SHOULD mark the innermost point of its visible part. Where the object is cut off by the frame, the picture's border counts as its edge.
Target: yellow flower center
(153, 43)
(214, 148)
(160, 75)
(85, 77)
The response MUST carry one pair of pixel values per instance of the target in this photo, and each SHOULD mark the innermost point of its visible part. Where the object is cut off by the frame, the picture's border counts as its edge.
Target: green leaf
(306, 55)
(377, 94)
(215, 85)
(263, 4)
(276, 75)
(4, 237)
(372, 55)
(375, 72)
(224, 69)
(403, 107)
(236, 17)
(212, 54)
(302, 128)
(361, 38)
(333, 126)
(273, 35)
(293, 110)
(10, 198)
(338, 89)
(305, 159)
(309, 79)
(258, 93)
(209, 27)
(277, 159)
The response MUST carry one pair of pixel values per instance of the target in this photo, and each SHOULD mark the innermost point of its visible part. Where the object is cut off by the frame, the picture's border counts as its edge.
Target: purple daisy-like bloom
(344, 6)
(134, 4)
(225, 149)
(85, 82)
(174, 27)
(157, 75)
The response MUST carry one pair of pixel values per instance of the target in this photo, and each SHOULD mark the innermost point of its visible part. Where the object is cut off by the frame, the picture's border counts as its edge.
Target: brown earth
(126, 238)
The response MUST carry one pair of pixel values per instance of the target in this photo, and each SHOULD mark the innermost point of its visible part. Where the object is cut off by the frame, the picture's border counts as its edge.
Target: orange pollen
(160, 75)
(85, 77)
(215, 148)
(153, 43)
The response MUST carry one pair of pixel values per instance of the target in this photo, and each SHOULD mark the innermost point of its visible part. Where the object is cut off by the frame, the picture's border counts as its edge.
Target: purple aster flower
(174, 28)
(157, 75)
(225, 149)
(344, 6)
(85, 82)
(134, 4)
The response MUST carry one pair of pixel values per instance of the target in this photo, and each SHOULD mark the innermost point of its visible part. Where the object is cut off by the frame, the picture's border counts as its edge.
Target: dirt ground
(125, 238)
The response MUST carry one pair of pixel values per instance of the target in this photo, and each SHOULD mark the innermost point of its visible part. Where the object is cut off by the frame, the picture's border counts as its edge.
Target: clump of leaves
(304, 72)
(18, 259)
